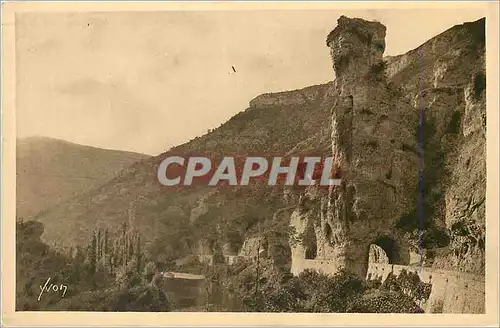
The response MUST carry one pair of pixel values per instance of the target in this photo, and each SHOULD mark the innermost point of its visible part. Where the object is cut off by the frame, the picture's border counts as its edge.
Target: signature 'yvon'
(54, 288)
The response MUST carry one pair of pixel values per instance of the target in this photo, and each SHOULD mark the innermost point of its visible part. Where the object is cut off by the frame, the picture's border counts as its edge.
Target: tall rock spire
(355, 46)
(369, 127)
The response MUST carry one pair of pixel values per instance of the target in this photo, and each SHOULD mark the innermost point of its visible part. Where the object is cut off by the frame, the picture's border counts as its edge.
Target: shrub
(385, 302)
(378, 71)
(479, 84)
(409, 284)
(149, 271)
(454, 125)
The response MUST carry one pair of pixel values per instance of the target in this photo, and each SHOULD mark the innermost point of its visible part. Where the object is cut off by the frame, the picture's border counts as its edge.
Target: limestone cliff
(450, 88)
(408, 138)
(369, 128)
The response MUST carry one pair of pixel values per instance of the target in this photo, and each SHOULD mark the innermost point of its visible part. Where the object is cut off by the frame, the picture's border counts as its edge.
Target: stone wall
(452, 291)
(324, 266)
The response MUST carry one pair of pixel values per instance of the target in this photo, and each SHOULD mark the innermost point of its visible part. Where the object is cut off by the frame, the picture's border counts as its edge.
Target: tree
(383, 301)
(138, 254)
(149, 271)
(91, 255)
(99, 244)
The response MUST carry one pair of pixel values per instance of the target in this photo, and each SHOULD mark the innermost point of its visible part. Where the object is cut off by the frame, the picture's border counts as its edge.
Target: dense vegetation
(270, 289)
(107, 275)
(112, 274)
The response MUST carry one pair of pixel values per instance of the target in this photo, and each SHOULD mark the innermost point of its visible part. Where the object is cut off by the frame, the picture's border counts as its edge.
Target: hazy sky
(148, 81)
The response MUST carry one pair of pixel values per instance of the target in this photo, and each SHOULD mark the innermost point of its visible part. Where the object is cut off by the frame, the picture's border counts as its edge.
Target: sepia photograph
(250, 159)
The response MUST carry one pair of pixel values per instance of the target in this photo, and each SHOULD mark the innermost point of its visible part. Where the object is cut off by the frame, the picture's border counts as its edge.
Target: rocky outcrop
(408, 138)
(377, 255)
(253, 247)
(465, 188)
(288, 98)
(450, 90)
(369, 128)
(447, 60)
(201, 207)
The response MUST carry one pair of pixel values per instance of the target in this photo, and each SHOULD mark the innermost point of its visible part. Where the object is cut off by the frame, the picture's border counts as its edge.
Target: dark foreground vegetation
(108, 274)
(274, 290)
(112, 274)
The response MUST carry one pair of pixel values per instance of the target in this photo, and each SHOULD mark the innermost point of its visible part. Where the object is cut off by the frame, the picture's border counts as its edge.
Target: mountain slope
(270, 126)
(50, 171)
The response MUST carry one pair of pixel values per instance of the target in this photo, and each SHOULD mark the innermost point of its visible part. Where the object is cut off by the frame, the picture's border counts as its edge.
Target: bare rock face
(408, 138)
(450, 90)
(286, 98)
(377, 255)
(201, 208)
(252, 247)
(355, 45)
(464, 188)
(309, 222)
(369, 128)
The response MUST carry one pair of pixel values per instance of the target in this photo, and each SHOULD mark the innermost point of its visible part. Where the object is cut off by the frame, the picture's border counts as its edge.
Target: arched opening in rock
(311, 245)
(328, 231)
(384, 250)
(311, 252)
